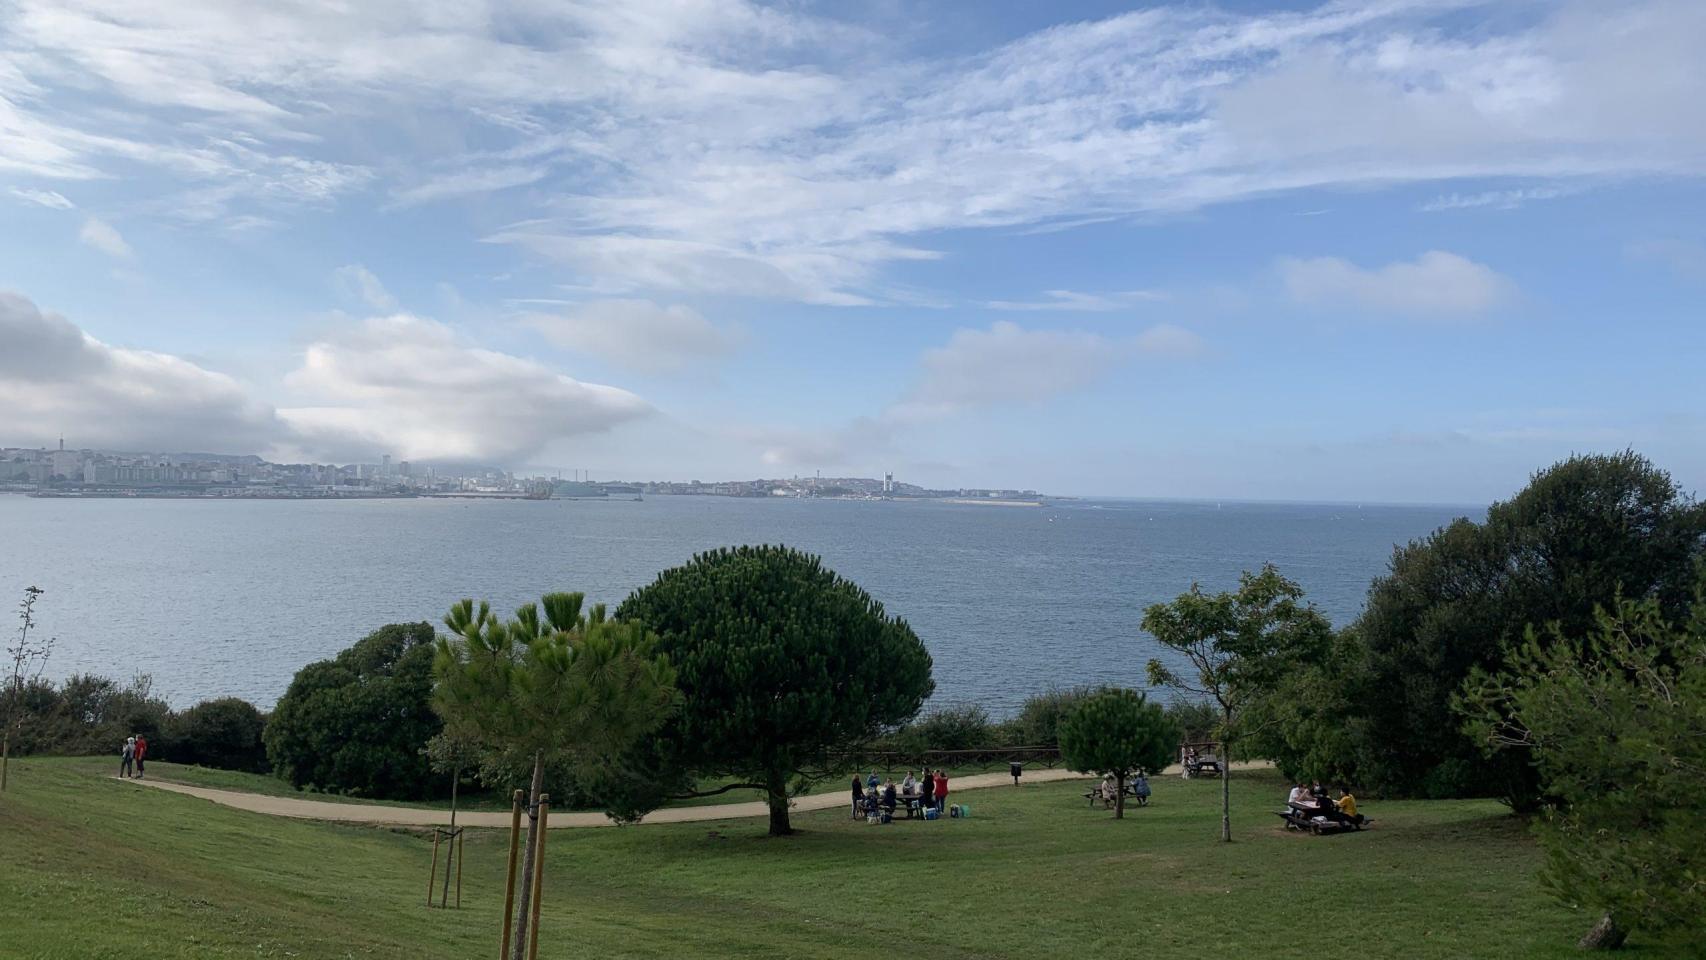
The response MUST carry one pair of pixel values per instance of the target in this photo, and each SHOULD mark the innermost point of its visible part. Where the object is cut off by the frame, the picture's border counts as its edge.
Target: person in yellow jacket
(1347, 805)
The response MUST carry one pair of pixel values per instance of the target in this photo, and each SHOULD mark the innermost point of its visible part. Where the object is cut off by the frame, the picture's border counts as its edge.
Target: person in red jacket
(141, 751)
(941, 791)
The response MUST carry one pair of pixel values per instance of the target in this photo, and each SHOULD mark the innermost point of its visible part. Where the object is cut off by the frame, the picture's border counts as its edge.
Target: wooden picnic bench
(1129, 790)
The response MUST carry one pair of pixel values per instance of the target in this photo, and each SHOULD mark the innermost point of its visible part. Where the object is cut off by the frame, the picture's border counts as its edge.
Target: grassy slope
(95, 868)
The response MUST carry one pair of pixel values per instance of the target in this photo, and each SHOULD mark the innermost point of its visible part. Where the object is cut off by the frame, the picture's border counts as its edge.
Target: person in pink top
(941, 790)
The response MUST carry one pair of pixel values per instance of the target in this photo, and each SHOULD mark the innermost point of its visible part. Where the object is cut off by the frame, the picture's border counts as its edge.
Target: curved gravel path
(304, 809)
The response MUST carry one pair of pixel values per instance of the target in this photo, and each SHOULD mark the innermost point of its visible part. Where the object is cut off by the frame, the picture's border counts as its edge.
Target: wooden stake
(432, 881)
(459, 855)
(538, 876)
(509, 888)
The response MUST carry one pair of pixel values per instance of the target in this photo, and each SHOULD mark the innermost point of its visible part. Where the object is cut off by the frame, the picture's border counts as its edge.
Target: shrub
(965, 727)
(1039, 720)
(224, 733)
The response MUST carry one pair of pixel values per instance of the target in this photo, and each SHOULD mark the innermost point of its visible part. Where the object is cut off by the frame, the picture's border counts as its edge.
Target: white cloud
(1073, 301)
(52, 199)
(637, 334)
(412, 387)
(57, 380)
(1435, 283)
(104, 237)
(734, 148)
(1496, 199)
(1008, 363)
(357, 282)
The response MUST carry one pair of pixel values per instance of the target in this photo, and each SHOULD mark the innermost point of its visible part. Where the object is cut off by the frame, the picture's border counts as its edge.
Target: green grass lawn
(470, 799)
(91, 867)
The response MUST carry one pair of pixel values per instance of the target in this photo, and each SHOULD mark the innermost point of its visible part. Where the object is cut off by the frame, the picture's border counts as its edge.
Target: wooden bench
(1130, 791)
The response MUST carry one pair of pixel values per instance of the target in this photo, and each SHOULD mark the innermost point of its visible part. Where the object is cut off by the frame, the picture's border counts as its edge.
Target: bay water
(230, 598)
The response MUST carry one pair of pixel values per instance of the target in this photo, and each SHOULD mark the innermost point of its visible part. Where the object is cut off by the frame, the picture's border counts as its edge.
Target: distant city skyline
(1406, 251)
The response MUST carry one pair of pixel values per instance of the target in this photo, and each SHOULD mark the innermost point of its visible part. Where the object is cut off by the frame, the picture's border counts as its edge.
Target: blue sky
(1407, 250)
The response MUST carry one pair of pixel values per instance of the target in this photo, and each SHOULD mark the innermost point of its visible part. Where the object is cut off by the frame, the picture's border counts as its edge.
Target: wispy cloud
(358, 283)
(52, 199)
(103, 236)
(738, 148)
(1496, 199)
(1073, 301)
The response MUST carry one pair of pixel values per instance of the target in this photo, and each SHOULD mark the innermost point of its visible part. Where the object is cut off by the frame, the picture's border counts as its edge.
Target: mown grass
(91, 867)
(469, 799)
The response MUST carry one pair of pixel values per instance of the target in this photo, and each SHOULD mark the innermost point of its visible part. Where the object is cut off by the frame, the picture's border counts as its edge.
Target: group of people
(132, 755)
(1109, 791)
(1314, 800)
(874, 795)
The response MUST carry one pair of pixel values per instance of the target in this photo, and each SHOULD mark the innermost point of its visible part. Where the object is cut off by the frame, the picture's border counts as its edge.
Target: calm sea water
(230, 598)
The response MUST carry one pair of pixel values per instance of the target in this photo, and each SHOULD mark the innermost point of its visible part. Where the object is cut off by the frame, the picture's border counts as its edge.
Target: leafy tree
(356, 723)
(1118, 732)
(570, 686)
(785, 669)
(1459, 599)
(1237, 648)
(1615, 721)
(224, 733)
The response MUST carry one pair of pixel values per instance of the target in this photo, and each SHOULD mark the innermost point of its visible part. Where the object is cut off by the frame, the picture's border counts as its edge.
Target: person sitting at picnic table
(909, 785)
(1109, 790)
(873, 781)
(1319, 792)
(1140, 786)
(1347, 807)
(858, 797)
(888, 797)
(1299, 797)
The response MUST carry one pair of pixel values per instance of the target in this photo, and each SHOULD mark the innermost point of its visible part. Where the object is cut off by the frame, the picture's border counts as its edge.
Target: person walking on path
(127, 756)
(941, 790)
(141, 752)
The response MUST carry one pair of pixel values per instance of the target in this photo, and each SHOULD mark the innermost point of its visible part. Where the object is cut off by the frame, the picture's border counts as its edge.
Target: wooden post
(538, 876)
(459, 855)
(5, 757)
(432, 880)
(509, 887)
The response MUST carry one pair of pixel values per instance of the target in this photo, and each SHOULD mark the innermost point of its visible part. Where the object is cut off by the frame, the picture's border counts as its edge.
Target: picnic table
(1130, 790)
(1308, 817)
(911, 803)
(1201, 766)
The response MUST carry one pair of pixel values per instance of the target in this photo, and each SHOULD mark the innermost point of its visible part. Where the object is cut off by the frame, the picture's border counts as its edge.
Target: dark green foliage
(1615, 721)
(357, 723)
(223, 733)
(91, 716)
(1039, 719)
(1457, 600)
(1118, 732)
(965, 727)
(784, 667)
(1198, 721)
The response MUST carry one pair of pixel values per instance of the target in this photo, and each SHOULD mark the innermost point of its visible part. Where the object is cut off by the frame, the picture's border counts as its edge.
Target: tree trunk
(1225, 791)
(1119, 795)
(518, 949)
(1605, 935)
(5, 756)
(776, 794)
(451, 856)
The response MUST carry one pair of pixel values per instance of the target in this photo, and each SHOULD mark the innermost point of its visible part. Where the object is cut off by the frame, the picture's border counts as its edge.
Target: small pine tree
(1118, 732)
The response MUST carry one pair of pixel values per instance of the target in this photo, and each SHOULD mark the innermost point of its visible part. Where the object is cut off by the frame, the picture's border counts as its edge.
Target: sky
(1394, 250)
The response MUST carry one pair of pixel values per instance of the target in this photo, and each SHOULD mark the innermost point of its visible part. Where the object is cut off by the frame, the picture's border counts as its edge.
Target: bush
(1039, 720)
(224, 733)
(358, 723)
(966, 727)
(91, 716)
